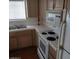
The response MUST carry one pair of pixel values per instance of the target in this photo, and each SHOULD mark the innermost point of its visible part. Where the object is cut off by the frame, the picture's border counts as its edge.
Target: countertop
(39, 29)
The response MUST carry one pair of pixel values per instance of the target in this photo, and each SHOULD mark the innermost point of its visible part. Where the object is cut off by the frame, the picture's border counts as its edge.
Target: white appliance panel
(65, 55)
(67, 35)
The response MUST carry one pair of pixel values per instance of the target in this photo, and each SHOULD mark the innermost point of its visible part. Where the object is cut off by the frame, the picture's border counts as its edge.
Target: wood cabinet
(32, 6)
(50, 56)
(59, 4)
(55, 4)
(12, 41)
(21, 39)
(24, 38)
(34, 38)
(50, 4)
(42, 10)
(52, 53)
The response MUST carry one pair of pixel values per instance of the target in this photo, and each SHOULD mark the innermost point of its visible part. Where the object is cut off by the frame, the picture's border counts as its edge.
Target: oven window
(42, 46)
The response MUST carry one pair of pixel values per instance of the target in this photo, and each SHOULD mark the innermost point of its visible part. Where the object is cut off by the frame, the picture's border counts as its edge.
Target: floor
(25, 53)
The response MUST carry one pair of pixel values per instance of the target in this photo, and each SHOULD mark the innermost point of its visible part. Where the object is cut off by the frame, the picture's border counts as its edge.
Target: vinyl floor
(25, 53)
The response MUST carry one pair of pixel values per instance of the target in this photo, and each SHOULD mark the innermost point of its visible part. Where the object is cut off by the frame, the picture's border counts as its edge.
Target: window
(16, 10)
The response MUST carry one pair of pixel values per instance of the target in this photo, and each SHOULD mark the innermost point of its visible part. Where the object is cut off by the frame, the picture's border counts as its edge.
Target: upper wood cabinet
(55, 4)
(50, 4)
(59, 4)
(42, 10)
(32, 6)
(24, 38)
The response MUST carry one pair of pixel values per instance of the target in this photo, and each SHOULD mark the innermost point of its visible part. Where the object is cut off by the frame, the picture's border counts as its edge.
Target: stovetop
(50, 35)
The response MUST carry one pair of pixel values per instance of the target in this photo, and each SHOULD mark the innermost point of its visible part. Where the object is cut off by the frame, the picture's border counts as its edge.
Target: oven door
(43, 47)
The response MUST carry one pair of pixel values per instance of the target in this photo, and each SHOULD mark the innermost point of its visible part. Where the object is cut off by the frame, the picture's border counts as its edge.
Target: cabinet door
(42, 10)
(52, 52)
(12, 43)
(32, 6)
(59, 4)
(50, 57)
(25, 39)
(50, 4)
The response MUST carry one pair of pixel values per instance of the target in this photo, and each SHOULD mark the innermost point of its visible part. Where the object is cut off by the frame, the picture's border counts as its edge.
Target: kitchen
(40, 30)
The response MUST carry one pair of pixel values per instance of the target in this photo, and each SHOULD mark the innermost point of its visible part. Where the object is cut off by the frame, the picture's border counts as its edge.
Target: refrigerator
(64, 44)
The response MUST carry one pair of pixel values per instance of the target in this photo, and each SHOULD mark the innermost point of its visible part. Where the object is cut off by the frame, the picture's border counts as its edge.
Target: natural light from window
(16, 10)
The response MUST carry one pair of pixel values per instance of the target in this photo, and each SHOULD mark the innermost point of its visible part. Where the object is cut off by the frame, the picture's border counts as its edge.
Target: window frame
(26, 11)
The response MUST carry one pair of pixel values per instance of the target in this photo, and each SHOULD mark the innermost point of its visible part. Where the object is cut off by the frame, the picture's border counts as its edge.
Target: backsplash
(28, 22)
(17, 22)
(32, 21)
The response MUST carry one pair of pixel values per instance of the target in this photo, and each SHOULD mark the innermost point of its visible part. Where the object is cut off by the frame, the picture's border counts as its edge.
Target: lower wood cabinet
(52, 53)
(21, 39)
(24, 41)
(12, 43)
(50, 57)
(34, 38)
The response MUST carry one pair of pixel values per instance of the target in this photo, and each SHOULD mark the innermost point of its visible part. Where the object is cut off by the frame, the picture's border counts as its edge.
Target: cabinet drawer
(52, 52)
